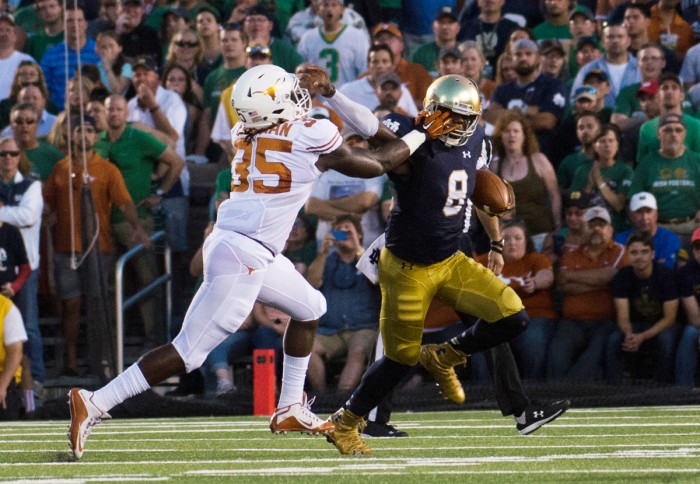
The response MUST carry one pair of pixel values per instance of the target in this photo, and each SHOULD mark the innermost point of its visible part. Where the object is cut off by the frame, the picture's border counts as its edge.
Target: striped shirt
(54, 64)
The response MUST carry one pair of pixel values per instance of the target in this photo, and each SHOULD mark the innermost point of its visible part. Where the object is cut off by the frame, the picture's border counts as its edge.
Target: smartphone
(339, 234)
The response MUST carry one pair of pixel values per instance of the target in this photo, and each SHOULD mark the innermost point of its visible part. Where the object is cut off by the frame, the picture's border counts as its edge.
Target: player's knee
(515, 323)
(314, 308)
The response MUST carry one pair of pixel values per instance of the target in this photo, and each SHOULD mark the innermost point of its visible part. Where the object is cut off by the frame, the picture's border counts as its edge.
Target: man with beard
(587, 129)
(578, 345)
(539, 97)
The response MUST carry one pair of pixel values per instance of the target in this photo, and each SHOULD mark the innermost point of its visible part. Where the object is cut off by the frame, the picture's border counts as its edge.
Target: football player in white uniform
(280, 155)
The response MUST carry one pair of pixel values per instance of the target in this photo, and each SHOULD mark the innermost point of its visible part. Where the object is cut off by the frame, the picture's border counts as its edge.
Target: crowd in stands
(592, 108)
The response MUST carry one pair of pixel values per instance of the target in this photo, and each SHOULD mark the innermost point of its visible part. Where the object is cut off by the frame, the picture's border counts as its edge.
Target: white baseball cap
(642, 200)
(597, 212)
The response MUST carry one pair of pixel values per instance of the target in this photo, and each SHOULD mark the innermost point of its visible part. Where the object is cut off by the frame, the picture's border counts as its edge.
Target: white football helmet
(267, 94)
(459, 95)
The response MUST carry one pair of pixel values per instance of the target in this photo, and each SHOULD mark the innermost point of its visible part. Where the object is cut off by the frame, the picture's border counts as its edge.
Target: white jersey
(273, 176)
(344, 57)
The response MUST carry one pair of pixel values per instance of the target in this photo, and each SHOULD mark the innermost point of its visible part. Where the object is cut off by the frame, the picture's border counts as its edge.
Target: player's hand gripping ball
(492, 194)
(435, 124)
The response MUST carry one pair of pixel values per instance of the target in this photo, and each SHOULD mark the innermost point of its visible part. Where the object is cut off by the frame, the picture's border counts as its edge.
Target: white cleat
(298, 417)
(84, 415)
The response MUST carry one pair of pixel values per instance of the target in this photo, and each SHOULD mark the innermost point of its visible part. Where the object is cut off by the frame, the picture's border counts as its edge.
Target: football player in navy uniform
(421, 259)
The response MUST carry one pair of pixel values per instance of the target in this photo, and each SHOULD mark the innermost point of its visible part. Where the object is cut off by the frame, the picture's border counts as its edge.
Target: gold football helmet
(459, 95)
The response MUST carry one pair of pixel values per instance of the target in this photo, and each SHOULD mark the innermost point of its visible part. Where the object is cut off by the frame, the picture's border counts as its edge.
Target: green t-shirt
(627, 102)
(675, 182)
(618, 177)
(427, 56)
(649, 143)
(569, 165)
(44, 157)
(215, 83)
(546, 30)
(136, 155)
(39, 43)
(27, 18)
(284, 55)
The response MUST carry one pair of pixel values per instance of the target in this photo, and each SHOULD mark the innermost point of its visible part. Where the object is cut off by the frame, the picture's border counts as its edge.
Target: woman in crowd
(186, 50)
(606, 179)
(115, 72)
(176, 78)
(207, 26)
(28, 73)
(531, 275)
(474, 62)
(532, 176)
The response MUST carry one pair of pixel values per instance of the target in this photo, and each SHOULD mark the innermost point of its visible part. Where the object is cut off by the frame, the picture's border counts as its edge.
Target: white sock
(128, 384)
(293, 377)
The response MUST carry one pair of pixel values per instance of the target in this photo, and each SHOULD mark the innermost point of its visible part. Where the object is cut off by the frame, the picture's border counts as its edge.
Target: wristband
(497, 249)
(414, 139)
(497, 246)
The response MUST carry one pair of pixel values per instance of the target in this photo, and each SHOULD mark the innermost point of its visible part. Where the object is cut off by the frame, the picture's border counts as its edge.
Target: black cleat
(375, 429)
(536, 415)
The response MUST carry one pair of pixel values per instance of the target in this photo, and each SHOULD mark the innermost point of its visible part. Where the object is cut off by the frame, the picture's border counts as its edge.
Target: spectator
(233, 44)
(556, 23)
(54, 61)
(380, 62)
(307, 19)
(258, 24)
(58, 136)
(41, 155)
(490, 30)
(445, 29)
(646, 303)
(582, 25)
(644, 215)
(35, 97)
(577, 349)
(574, 234)
(672, 175)
(115, 72)
(207, 26)
(531, 175)
(28, 73)
(587, 130)
(669, 29)
(388, 91)
(10, 58)
(553, 58)
(12, 339)
(538, 97)
(50, 15)
(77, 95)
(177, 79)
(651, 62)
(587, 50)
(108, 190)
(186, 50)
(136, 154)
(670, 96)
(600, 81)
(607, 179)
(301, 247)
(106, 19)
(617, 63)
(636, 21)
(531, 275)
(414, 76)
(175, 19)
(688, 283)
(649, 105)
(473, 62)
(21, 205)
(349, 328)
(339, 48)
(416, 20)
(137, 38)
(505, 70)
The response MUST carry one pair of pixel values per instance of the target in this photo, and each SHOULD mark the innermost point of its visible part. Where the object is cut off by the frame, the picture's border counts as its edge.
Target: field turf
(631, 445)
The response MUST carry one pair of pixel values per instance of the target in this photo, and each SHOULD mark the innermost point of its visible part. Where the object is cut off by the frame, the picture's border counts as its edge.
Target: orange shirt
(596, 304)
(108, 189)
(416, 78)
(539, 304)
(679, 27)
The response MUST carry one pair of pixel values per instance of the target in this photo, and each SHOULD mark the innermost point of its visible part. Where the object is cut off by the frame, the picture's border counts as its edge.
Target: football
(492, 194)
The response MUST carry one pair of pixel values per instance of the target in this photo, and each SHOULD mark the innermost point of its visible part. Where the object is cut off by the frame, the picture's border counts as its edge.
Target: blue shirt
(666, 245)
(54, 66)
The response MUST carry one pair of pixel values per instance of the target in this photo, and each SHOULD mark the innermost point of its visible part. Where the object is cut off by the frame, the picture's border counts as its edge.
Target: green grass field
(651, 444)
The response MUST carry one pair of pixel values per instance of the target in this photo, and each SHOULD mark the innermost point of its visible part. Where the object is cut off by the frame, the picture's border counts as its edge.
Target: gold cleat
(440, 361)
(346, 436)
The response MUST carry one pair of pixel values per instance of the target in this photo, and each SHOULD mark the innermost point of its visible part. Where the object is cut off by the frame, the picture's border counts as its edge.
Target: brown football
(492, 194)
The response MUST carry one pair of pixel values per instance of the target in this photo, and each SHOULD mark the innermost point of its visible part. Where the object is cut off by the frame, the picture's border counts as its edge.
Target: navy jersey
(646, 297)
(426, 223)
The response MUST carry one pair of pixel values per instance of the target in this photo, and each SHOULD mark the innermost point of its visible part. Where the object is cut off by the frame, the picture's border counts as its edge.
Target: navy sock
(378, 382)
(482, 335)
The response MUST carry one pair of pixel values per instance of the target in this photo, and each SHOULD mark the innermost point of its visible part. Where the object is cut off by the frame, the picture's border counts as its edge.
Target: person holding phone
(349, 328)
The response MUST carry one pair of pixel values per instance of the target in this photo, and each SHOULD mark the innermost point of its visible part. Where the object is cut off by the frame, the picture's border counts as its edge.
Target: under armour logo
(466, 154)
(538, 414)
(406, 265)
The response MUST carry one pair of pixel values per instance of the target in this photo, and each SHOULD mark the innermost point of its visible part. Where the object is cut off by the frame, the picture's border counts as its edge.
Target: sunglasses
(586, 89)
(22, 121)
(35, 84)
(13, 154)
(184, 43)
(258, 50)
